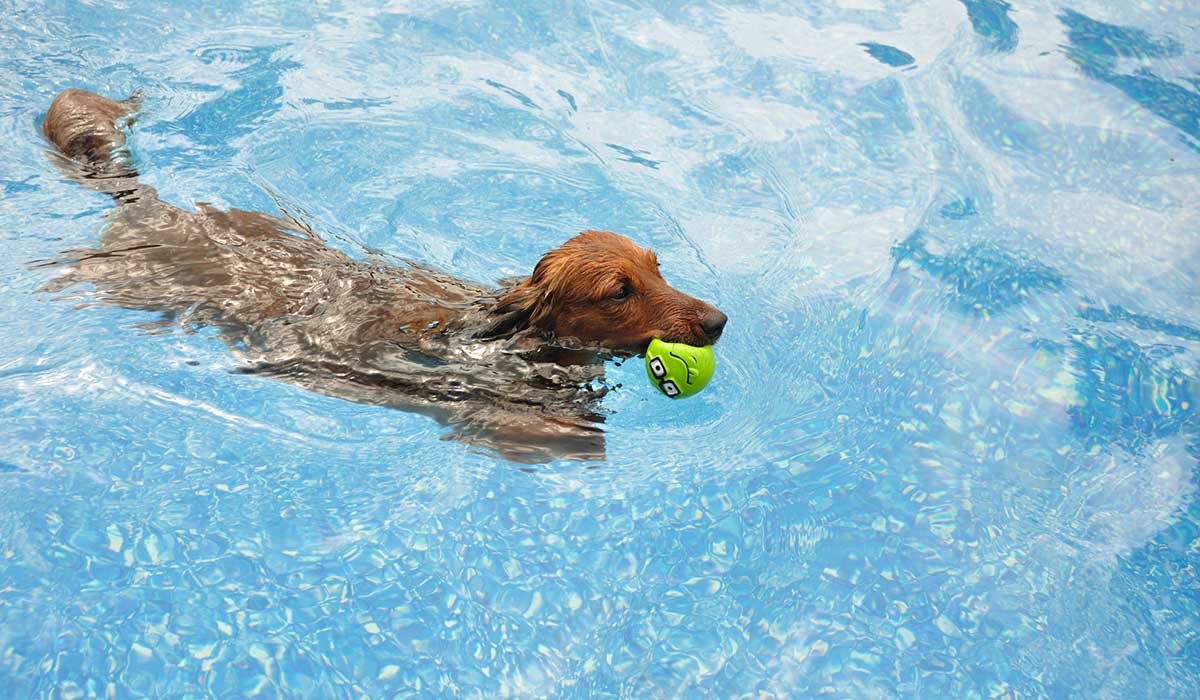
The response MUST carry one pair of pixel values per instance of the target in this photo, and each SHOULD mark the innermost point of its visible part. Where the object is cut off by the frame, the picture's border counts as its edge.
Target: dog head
(604, 291)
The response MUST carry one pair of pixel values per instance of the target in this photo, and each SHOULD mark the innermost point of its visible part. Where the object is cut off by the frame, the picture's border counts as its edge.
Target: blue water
(950, 451)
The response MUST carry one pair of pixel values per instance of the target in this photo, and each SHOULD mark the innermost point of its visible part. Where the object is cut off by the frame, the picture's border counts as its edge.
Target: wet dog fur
(513, 370)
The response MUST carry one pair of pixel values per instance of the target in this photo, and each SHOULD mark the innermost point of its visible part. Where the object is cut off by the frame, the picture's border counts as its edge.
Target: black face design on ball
(657, 369)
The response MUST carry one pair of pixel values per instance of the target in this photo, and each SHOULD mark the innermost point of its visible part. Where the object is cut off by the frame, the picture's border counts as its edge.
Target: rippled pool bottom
(950, 448)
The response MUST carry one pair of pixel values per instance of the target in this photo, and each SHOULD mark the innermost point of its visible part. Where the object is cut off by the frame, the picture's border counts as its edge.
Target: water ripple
(951, 449)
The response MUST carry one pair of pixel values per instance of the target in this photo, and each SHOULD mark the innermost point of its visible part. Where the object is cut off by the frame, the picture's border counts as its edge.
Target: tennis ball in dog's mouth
(679, 370)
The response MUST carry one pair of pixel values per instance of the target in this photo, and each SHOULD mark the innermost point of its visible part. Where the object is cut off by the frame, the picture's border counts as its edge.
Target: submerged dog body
(512, 370)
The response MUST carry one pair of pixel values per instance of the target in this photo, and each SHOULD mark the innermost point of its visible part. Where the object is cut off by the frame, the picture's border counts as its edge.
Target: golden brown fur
(607, 292)
(495, 365)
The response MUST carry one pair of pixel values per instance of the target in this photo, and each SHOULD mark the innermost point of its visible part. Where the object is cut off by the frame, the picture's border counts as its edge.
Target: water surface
(950, 450)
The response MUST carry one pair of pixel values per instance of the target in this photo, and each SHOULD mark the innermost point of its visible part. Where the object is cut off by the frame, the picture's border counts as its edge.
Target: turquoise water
(950, 451)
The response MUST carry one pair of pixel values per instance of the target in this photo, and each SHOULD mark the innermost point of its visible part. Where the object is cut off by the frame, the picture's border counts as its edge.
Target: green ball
(679, 370)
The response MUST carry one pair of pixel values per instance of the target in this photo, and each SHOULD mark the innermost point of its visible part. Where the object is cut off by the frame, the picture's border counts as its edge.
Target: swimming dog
(515, 370)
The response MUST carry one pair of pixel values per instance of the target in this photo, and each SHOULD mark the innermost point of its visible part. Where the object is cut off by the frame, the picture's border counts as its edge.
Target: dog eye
(623, 292)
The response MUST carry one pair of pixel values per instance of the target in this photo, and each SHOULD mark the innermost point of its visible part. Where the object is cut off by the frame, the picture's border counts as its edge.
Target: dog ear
(531, 303)
(519, 308)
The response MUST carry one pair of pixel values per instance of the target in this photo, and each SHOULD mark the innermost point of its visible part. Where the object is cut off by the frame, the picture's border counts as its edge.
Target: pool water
(950, 450)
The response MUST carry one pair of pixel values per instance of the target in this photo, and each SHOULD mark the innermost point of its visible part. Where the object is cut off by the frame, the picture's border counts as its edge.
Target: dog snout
(713, 324)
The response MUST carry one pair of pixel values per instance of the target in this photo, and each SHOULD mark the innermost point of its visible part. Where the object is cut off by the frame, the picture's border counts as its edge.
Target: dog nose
(713, 323)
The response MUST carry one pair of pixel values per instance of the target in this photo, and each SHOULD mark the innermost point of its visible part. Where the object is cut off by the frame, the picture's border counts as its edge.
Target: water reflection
(984, 277)
(990, 20)
(951, 452)
(258, 73)
(1097, 48)
(1130, 394)
(889, 55)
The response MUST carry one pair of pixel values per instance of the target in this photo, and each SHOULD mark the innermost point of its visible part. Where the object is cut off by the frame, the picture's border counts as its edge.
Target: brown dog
(513, 371)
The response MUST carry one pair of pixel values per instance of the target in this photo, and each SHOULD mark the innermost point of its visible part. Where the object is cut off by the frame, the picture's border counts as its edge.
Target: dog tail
(86, 128)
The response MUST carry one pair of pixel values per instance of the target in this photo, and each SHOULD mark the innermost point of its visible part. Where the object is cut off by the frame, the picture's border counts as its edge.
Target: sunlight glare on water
(949, 452)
